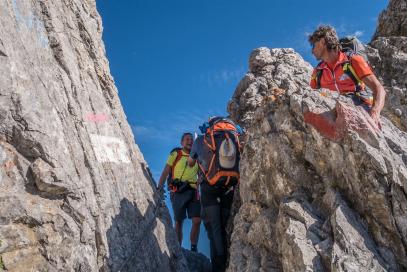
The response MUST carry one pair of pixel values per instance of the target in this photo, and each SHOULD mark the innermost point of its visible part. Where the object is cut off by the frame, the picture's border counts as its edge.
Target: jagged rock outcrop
(322, 188)
(75, 191)
(197, 262)
(388, 56)
(392, 21)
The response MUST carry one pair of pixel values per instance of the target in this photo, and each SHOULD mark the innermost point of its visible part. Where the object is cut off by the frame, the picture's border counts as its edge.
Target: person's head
(187, 140)
(324, 40)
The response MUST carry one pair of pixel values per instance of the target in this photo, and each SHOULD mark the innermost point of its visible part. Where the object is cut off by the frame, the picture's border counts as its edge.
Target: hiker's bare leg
(178, 230)
(196, 223)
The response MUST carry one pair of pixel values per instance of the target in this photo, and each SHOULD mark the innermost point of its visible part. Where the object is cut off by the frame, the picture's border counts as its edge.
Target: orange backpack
(222, 139)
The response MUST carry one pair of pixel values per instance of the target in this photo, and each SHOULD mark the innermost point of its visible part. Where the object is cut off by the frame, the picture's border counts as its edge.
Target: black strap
(186, 165)
(350, 54)
(318, 78)
(354, 79)
(319, 75)
(346, 71)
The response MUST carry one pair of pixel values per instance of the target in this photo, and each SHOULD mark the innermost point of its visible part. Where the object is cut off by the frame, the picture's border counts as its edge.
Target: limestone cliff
(388, 56)
(322, 189)
(75, 191)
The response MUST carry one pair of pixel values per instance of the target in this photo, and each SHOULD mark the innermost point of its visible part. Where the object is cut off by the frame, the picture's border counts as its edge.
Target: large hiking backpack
(171, 181)
(222, 139)
(351, 46)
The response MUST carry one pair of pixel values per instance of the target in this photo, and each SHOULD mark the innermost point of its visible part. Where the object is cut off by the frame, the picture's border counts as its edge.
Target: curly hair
(328, 33)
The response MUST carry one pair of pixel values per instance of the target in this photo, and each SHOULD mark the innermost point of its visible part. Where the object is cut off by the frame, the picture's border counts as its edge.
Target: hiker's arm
(191, 162)
(164, 176)
(379, 95)
(193, 155)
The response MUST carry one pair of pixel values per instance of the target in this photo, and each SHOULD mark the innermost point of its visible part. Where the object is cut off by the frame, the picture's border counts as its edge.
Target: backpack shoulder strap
(318, 75)
(348, 69)
(212, 145)
(177, 159)
(175, 149)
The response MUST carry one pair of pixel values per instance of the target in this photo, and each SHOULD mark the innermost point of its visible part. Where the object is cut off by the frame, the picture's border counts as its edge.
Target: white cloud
(140, 129)
(344, 29)
(341, 29)
(170, 127)
(349, 30)
(223, 76)
(148, 132)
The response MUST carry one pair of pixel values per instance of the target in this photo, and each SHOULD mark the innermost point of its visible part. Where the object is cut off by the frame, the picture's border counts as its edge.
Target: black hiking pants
(216, 204)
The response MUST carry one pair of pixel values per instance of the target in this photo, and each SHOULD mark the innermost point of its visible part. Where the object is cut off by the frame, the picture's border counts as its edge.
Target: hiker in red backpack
(217, 153)
(182, 183)
(344, 69)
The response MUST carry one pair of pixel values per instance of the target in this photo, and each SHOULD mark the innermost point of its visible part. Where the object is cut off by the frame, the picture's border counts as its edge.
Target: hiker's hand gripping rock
(375, 115)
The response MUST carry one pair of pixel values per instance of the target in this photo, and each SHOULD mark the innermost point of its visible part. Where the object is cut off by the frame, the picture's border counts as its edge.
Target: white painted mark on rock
(109, 149)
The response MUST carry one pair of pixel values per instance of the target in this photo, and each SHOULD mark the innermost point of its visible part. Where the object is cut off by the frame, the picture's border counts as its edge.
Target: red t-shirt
(334, 78)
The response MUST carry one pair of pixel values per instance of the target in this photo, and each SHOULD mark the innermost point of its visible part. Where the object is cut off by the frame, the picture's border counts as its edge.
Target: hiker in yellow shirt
(182, 182)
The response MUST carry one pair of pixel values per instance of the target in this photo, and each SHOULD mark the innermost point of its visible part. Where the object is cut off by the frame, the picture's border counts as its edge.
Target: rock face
(322, 188)
(75, 191)
(392, 21)
(197, 262)
(388, 56)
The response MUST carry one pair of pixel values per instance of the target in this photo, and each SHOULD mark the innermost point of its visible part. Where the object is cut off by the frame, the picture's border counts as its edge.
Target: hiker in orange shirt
(345, 70)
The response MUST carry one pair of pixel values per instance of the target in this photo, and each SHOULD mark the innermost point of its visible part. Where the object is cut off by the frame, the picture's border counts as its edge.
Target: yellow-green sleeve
(171, 158)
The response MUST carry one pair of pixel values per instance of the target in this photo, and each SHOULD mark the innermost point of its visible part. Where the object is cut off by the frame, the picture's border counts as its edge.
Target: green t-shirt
(182, 171)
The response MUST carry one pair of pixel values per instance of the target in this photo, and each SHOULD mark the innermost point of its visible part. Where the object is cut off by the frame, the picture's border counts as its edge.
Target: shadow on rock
(143, 241)
(197, 262)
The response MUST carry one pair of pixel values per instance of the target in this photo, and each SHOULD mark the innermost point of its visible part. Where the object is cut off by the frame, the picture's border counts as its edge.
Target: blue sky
(175, 63)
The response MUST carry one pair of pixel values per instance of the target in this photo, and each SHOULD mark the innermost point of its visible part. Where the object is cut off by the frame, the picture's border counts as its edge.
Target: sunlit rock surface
(75, 191)
(322, 188)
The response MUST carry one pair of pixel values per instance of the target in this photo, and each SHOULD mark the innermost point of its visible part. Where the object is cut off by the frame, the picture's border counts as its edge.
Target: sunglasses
(313, 44)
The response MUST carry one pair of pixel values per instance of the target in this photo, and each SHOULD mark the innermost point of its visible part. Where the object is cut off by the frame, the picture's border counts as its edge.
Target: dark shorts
(185, 203)
(358, 102)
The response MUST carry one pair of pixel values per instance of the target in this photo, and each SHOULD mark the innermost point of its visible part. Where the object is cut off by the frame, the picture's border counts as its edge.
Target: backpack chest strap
(348, 70)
